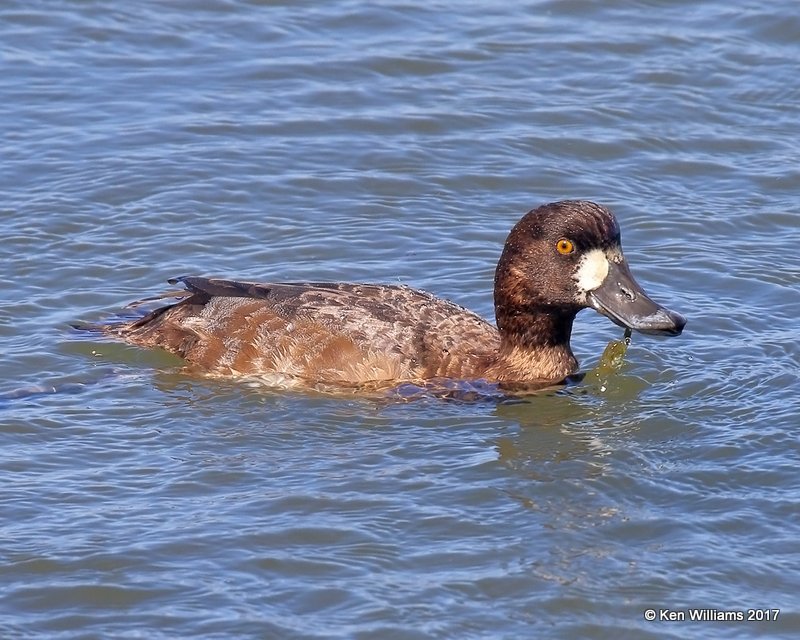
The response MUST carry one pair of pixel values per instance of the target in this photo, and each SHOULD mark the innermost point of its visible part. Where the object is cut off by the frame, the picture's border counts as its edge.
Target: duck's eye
(565, 247)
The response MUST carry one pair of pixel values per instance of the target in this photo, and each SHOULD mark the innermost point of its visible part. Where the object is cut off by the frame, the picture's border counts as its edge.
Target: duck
(558, 259)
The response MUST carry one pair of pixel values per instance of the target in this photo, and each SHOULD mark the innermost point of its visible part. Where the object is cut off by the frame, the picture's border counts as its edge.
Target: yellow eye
(565, 247)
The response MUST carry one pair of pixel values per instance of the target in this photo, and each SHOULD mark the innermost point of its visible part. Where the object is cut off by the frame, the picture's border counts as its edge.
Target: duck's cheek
(590, 273)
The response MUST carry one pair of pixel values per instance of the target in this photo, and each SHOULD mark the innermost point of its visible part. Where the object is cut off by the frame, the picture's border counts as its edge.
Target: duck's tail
(124, 324)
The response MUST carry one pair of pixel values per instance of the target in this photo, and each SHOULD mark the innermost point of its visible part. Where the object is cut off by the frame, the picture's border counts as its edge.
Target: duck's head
(567, 256)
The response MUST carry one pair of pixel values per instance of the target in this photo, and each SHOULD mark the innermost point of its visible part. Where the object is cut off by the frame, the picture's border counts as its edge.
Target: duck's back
(328, 332)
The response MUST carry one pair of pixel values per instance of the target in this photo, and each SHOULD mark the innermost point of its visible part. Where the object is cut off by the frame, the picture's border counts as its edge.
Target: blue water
(397, 142)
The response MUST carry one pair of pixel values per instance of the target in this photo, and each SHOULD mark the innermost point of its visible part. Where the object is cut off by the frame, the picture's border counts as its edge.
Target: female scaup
(557, 260)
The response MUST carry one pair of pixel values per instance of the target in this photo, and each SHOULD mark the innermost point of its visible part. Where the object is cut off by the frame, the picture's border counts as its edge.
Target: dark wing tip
(223, 288)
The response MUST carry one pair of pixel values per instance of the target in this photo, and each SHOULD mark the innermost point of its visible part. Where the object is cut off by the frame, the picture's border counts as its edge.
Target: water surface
(396, 142)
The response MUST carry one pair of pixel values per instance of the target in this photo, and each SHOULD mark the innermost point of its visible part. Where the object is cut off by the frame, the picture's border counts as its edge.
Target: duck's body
(336, 333)
(555, 262)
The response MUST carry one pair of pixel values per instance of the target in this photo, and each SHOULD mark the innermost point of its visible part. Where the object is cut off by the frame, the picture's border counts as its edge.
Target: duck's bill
(621, 299)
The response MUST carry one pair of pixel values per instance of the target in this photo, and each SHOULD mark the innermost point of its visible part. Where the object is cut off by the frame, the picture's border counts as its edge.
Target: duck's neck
(534, 344)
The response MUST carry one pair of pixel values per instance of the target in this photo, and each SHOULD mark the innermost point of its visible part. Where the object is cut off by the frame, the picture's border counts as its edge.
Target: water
(396, 142)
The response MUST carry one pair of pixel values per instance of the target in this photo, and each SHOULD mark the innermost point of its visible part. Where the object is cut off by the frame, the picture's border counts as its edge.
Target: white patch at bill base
(592, 270)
